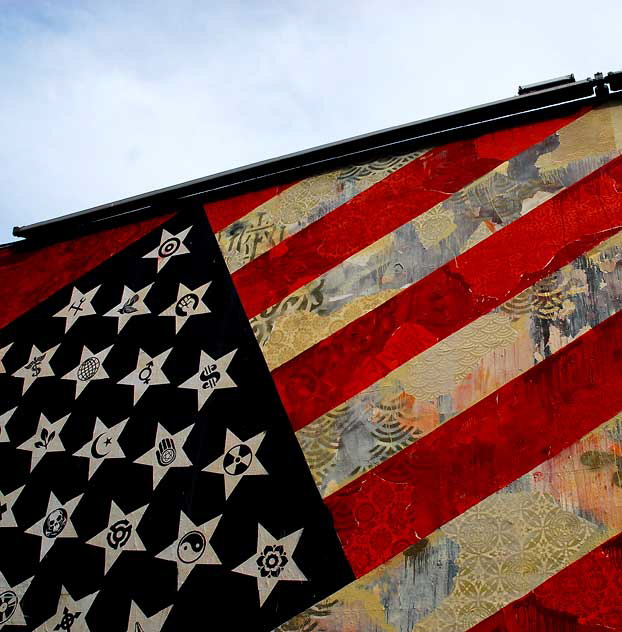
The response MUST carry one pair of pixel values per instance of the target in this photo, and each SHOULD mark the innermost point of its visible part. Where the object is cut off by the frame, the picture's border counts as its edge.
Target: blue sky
(102, 99)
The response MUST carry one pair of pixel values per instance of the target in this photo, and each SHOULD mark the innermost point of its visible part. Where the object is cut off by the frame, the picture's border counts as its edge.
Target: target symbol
(8, 605)
(88, 369)
(169, 247)
(237, 460)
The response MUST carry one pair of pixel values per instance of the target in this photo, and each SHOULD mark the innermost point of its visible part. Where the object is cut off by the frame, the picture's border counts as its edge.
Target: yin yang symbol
(191, 547)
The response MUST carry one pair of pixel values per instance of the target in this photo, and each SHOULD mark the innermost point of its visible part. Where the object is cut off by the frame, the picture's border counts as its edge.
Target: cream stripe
(494, 553)
(454, 374)
(298, 206)
(399, 259)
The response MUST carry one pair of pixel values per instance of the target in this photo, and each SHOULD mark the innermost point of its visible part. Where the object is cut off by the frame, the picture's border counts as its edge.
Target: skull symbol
(55, 522)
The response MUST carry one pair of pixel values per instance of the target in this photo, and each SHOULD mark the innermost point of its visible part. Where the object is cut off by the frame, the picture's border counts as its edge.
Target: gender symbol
(8, 605)
(186, 303)
(119, 534)
(145, 373)
(166, 452)
(55, 522)
(67, 620)
(169, 247)
(237, 460)
(88, 369)
(209, 376)
(191, 547)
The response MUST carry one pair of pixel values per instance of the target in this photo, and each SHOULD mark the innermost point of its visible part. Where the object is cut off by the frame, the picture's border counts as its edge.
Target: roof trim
(543, 103)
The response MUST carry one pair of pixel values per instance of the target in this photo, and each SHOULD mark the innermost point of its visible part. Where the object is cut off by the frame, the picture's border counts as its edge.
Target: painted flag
(443, 332)
(149, 473)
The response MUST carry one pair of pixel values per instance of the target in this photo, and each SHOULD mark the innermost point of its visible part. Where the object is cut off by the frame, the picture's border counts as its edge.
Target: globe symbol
(88, 369)
(237, 460)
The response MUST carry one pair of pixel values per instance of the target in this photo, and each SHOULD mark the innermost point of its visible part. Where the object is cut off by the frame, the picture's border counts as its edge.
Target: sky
(101, 100)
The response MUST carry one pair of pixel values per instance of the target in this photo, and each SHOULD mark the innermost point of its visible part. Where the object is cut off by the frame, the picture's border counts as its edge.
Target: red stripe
(29, 274)
(584, 597)
(221, 213)
(373, 213)
(454, 295)
(485, 448)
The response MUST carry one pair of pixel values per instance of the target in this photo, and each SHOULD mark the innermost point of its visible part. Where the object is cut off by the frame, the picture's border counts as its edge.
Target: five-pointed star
(90, 369)
(70, 615)
(38, 365)
(56, 523)
(79, 305)
(212, 375)
(4, 420)
(11, 601)
(140, 622)
(239, 459)
(120, 534)
(103, 445)
(189, 303)
(148, 372)
(132, 304)
(46, 439)
(2, 354)
(273, 562)
(7, 519)
(166, 453)
(192, 547)
(170, 246)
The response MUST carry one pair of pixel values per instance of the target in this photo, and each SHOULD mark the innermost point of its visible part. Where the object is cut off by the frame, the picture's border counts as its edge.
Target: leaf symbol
(52, 435)
(44, 434)
(38, 444)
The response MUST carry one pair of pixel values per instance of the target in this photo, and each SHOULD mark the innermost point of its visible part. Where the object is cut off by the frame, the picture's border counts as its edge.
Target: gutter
(543, 100)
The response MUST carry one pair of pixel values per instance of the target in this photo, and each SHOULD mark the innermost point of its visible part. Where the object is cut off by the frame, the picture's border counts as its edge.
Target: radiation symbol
(191, 547)
(237, 460)
(88, 369)
(8, 605)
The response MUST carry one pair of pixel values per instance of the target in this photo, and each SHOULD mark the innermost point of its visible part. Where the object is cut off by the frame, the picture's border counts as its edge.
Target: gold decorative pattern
(434, 226)
(296, 331)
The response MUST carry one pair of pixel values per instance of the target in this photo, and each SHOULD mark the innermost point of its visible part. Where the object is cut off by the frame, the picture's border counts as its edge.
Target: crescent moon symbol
(94, 452)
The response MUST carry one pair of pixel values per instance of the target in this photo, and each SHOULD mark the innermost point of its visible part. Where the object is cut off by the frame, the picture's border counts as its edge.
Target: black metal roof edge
(555, 101)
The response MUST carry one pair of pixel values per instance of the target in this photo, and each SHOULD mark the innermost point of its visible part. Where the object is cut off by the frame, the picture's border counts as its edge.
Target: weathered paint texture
(444, 331)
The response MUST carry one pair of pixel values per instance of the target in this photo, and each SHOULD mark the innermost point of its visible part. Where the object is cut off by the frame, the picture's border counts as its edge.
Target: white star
(56, 523)
(70, 615)
(7, 519)
(120, 534)
(79, 305)
(11, 601)
(38, 365)
(189, 303)
(46, 439)
(90, 369)
(166, 453)
(273, 562)
(170, 246)
(2, 354)
(239, 459)
(148, 372)
(212, 375)
(192, 547)
(4, 420)
(103, 445)
(139, 622)
(132, 304)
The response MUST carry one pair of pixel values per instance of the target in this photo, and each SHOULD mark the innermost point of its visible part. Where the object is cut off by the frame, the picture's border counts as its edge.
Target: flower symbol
(272, 560)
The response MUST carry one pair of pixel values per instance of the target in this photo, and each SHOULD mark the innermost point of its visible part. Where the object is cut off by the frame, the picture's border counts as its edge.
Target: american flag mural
(382, 398)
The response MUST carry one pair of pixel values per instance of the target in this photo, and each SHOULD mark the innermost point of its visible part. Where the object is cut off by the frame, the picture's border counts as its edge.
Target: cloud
(102, 100)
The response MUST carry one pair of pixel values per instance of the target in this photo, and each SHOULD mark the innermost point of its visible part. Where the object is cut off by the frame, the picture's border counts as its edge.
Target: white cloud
(102, 100)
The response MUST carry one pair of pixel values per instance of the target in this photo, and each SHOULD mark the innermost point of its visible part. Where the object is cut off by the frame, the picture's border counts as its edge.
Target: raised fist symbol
(166, 452)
